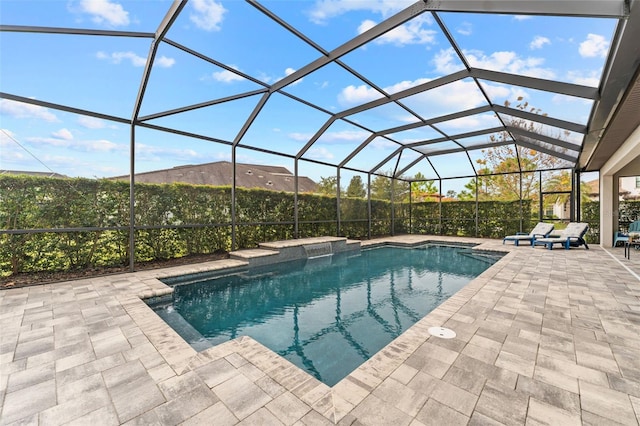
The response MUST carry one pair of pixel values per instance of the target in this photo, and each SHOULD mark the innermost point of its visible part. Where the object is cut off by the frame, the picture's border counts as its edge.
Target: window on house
(637, 181)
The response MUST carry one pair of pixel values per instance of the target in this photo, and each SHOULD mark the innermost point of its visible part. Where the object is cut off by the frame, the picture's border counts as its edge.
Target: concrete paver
(543, 337)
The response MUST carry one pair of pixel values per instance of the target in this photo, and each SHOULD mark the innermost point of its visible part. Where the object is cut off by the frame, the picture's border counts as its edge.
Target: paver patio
(543, 337)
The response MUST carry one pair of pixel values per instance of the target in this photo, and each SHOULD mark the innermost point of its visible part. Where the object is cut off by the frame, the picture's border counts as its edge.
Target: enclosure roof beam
(315, 137)
(471, 148)
(544, 119)
(252, 117)
(409, 166)
(167, 21)
(560, 87)
(376, 31)
(453, 116)
(73, 31)
(201, 105)
(64, 108)
(544, 138)
(595, 9)
(216, 63)
(455, 137)
(432, 84)
(357, 150)
(542, 149)
(385, 161)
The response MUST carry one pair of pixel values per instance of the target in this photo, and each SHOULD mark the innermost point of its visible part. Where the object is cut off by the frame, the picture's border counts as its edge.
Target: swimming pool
(326, 315)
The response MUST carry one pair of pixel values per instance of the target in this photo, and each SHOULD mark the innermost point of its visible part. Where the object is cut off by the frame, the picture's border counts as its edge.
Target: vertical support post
(393, 206)
(369, 203)
(295, 200)
(572, 198)
(540, 206)
(233, 198)
(578, 191)
(609, 209)
(521, 210)
(477, 206)
(132, 200)
(410, 209)
(338, 202)
(161, 31)
(440, 207)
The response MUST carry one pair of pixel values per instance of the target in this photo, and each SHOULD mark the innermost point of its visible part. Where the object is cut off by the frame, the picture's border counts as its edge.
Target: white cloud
(405, 84)
(324, 10)
(505, 61)
(447, 62)
(383, 143)
(6, 137)
(164, 62)
(538, 42)
(22, 110)
(522, 17)
(136, 61)
(300, 137)
(594, 45)
(105, 11)
(117, 57)
(591, 79)
(465, 28)
(412, 32)
(91, 122)
(499, 91)
(270, 79)
(319, 153)
(471, 122)
(225, 76)
(100, 145)
(460, 95)
(352, 95)
(208, 14)
(63, 134)
(345, 135)
(153, 153)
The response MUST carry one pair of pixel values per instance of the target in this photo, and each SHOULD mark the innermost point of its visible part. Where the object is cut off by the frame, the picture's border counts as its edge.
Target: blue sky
(103, 74)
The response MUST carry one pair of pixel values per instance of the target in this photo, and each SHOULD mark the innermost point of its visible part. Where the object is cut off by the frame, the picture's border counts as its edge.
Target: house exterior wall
(625, 156)
(632, 185)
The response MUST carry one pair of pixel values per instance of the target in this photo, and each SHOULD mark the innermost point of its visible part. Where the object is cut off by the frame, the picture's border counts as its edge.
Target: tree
(382, 185)
(503, 162)
(328, 185)
(356, 188)
(422, 189)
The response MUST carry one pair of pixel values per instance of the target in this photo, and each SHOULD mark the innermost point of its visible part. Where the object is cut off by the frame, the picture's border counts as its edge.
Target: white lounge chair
(541, 230)
(571, 236)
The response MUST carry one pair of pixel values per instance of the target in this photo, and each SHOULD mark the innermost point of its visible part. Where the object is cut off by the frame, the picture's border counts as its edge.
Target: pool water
(326, 315)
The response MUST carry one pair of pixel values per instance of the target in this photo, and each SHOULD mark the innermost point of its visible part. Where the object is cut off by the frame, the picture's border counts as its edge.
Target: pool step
(255, 257)
(282, 251)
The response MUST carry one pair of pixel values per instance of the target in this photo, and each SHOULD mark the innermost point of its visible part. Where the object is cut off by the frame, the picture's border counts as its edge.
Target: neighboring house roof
(40, 174)
(594, 188)
(220, 173)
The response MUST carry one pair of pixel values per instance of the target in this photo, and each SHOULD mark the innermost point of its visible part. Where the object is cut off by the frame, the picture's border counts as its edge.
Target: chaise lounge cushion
(540, 230)
(571, 236)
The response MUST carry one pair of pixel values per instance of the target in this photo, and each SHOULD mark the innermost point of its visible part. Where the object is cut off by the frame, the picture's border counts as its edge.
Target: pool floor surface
(543, 337)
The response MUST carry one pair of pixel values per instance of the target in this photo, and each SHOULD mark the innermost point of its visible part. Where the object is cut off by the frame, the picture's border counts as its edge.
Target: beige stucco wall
(625, 162)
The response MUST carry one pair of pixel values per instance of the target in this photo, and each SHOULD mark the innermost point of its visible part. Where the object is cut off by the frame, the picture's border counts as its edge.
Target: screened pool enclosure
(453, 117)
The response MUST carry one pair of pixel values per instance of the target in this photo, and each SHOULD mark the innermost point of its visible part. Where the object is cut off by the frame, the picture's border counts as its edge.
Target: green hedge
(199, 220)
(628, 211)
(495, 218)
